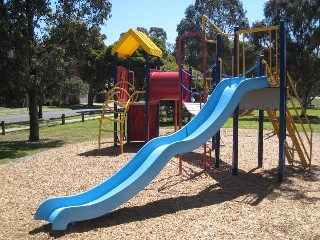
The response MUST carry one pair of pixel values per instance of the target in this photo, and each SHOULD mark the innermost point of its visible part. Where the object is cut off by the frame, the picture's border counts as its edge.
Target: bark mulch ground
(198, 204)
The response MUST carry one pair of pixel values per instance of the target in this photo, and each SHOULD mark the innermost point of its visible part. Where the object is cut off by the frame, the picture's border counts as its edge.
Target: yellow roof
(131, 41)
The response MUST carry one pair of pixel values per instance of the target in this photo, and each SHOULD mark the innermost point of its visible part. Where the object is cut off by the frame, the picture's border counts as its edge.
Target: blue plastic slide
(150, 159)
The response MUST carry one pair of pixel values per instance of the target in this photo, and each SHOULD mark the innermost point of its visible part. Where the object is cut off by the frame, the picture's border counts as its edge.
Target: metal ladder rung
(291, 148)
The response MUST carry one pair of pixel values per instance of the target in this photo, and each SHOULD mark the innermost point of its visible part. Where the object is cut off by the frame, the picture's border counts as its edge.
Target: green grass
(15, 144)
(251, 121)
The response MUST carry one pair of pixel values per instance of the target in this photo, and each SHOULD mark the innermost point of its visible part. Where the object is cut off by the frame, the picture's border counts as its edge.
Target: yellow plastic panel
(131, 41)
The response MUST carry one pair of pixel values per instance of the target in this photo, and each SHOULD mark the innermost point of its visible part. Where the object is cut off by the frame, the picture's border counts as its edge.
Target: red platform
(137, 121)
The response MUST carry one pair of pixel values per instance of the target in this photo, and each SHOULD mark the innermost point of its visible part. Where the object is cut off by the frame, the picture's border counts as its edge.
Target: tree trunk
(90, 96)
(90, 100)
(40, 115)
(33, 112)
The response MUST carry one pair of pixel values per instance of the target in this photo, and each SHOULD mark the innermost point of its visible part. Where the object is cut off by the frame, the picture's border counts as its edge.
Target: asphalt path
(47, 115)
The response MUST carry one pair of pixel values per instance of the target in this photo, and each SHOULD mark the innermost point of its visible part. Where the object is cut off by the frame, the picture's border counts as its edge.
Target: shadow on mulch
(253, 186)
(114, 150)
(20, 148)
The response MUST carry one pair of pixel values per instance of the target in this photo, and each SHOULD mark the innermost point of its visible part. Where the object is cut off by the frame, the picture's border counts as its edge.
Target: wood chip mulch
(211, 204)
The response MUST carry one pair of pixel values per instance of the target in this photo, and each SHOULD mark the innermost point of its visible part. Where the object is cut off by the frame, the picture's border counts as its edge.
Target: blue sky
(159, 13)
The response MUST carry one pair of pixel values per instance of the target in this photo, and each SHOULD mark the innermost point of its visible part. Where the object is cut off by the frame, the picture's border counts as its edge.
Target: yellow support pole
(270, 50)
(243, 55)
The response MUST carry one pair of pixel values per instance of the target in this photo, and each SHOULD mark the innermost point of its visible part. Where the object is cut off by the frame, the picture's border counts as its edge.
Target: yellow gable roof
(131, 41)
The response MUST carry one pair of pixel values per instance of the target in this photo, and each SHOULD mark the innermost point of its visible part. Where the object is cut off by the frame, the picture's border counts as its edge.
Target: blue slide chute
(150, 159)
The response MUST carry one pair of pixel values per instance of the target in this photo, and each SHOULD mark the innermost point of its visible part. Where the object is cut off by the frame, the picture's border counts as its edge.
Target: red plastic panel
(137, 121)
(166, 85)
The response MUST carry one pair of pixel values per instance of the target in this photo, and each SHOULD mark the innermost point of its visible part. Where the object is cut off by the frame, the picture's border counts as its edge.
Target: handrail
(204, 20)
(255, 30)
(261, 29)
(272, 80)
(309, 138)
(291, 124)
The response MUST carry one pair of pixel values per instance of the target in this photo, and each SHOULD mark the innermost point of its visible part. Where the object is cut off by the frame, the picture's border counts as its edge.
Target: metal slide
(150, 159)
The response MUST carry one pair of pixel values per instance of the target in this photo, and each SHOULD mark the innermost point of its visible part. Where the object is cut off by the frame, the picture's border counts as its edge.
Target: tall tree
(226, 14)
(302, 20)
(159, 33)
(81, 43)
(26, 19)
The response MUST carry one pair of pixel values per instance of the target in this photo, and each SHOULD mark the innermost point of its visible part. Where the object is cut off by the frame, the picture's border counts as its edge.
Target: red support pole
(204, 84)
(202, 35)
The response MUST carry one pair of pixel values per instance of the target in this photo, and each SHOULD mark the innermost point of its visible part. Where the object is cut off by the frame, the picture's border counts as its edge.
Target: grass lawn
(15, 144)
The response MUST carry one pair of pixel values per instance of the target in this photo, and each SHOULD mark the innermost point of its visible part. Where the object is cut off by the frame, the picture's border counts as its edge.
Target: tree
(302, 20)
(225, 14)
(159, 33)
(144, 30)
(96, 73)
(25, 20)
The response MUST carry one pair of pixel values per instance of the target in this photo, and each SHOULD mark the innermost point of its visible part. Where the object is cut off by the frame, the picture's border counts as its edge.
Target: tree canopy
(225, 14)
(302, 19)
(37, 36)
(48, 46)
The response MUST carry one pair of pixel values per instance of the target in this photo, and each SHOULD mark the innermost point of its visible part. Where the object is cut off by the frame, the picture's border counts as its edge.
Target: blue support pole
(282, 107)
(190, 82)
(235, 155)
(219, 55)
(128, 68)
(158, 63)
(217, 138)
(260, 139)
(260, 72)
(158, 105)
(147, 57)
(115, 68)
(129, 80)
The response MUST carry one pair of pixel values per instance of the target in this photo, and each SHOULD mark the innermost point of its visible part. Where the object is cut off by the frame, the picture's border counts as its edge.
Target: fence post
(3, 128)
(63, 118)
(82, 117)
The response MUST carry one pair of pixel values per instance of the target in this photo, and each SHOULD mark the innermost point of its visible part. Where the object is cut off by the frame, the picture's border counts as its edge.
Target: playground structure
(229, 96)
(159, 86)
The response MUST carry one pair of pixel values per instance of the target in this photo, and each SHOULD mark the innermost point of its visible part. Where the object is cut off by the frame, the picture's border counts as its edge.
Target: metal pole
(63, 119)
(115, 68)
(147, 57)
(190, 84)
(235, 154)
(158, 63)
(260, 139)
(260, 72)
(180, 97)
(130, 92)
(282, 107)
(3, 125)
(216, 139)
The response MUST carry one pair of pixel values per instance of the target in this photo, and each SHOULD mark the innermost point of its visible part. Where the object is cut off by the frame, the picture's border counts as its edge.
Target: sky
(165, 14)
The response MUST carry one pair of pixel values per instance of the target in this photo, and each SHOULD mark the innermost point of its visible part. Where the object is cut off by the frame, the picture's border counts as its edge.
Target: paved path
(48, 115)
(24, 117)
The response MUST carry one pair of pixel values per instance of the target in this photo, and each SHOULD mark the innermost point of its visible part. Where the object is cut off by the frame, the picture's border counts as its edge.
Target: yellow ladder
(300, 139)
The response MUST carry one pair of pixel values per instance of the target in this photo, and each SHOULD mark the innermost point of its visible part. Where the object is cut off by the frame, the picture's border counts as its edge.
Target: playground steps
(299, 140)
(293, 139)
